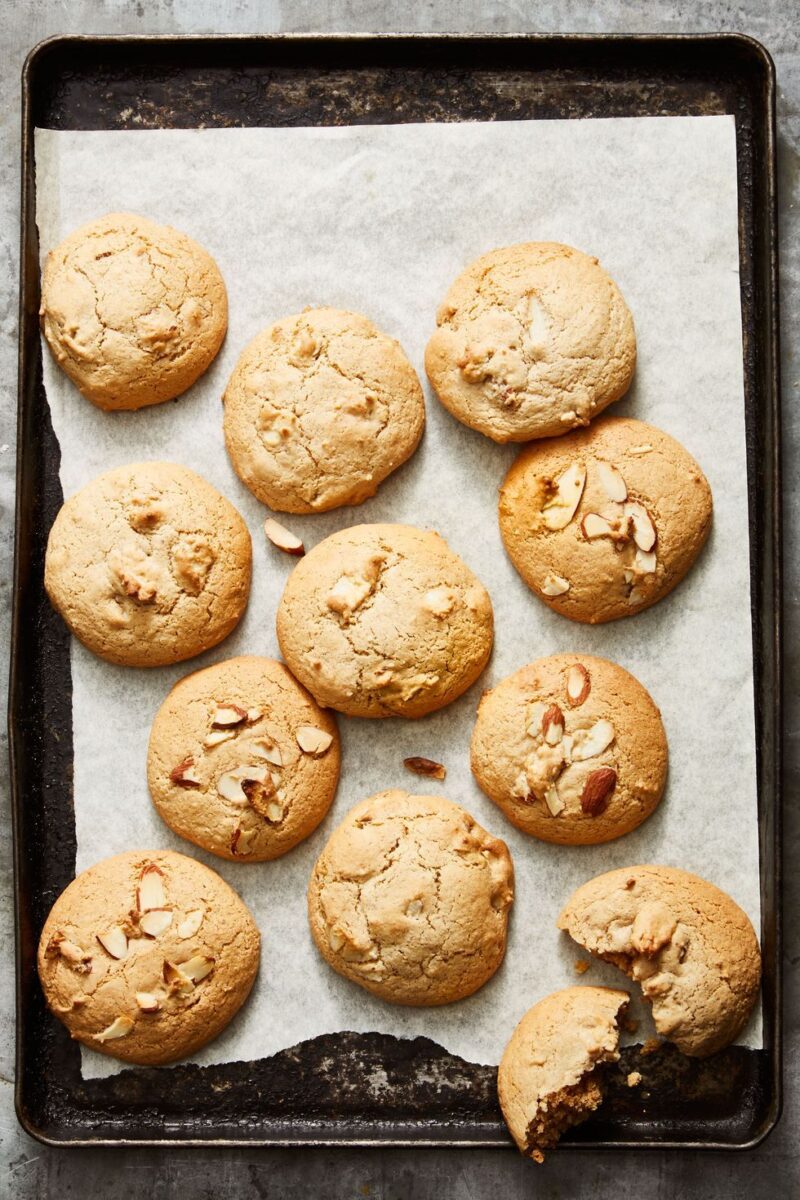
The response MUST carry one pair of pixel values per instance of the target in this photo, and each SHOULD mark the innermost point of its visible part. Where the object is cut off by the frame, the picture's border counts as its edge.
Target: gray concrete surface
(772, 1172)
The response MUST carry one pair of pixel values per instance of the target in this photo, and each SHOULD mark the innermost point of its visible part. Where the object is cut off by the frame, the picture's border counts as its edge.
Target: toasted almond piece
(282, 538)
(117, 1029)
(262, 797)
(578, 685)
(264, 748)
(218, 736)
(425, 766)
(175, 978)
(197, 968)
(71, 952)
(184, 774)
(226, 715)
(155, 921)
(521, 789)
(553, 725)
(612, 482)
(596, 740)
(241, 840)
(554, 585)
(147, 1002)
(190, 923)
(645, 448)
(230, 785)
(335, 940)
(595, 526)
(114, 941)
(274, 811)
(559, 511)
(644, 531)
(312, 740)
(644, 562)
(150, 889)
(553, 801)
(598, 790)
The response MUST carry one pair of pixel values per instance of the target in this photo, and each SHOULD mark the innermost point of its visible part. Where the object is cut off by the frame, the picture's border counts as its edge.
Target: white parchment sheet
(380, 220)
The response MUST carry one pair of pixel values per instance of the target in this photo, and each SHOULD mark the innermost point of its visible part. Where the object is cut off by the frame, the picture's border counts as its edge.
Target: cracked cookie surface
(572, 749)
(225, 763)
(548, 1080)
(148, 564)
(532, 340)
(133, 312)
(147, 956)
(321, 407)
(410, 899)
(605, 522)
(686, 942)
(384, 620)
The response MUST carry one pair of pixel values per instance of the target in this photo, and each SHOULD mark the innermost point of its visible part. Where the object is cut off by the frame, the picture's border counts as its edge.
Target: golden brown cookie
(572, 749)
(148, 564)
(133, 312)
(691, 948)
(605, 522)
(384, 620)
(410, 899)
(532, 340)
(550, 1075)
(241, 759)
(320, 408)
(147, 956)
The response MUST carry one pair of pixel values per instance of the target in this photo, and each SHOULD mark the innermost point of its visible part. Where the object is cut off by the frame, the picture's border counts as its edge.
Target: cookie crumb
(425, 766)
(581, 966)
(537, 1156)
(651, 1046)
(634, 1079)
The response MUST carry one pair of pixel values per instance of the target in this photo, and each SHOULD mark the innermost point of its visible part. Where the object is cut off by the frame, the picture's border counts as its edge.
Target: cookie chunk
(133, 312)
(691, 948)
(532, 340)
(148, 564)
(572, 749)
(550, 1075)
(384, 621)
(410, 899)
(241, 759)
(320, 408)
(147, 956)
(605, 522)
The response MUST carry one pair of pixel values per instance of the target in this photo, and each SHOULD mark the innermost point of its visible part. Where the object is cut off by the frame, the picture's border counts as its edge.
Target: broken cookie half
(550, 1075)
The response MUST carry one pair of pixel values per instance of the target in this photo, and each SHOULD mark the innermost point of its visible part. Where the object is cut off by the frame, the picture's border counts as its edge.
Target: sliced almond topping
(274, 811)
(150, 890)
(553, 801)
(218, 736)
(114, 941)
(578, 685)
(644, 531)
(117, 1029)
(190, 923)
(312, 740)
(553, 725)
(266, 749)
(560, 509)
(184, 774)
(253, 715)
(644, 562)
(197, 968)
(228, 714)
(425, 766)
(241, 840)
(281, 537)
(147, 1002)
(612, 482)
(72, 953)
(175, 978)
(335, 940)
(645, 448)
(594, 741)
(155, 921)
(231, 785)
(597, 790)
(521, 789)
(595, 526)
(554, 585)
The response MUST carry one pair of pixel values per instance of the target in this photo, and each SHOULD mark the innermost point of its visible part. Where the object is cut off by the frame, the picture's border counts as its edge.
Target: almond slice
(645, 448)
(595, 526)
(282, 538)
(553, 725)
(598, 790)
(230, 785)
(72, 953)
(175, 978)
(644, 562)
(114, 941)
(578, 685)
(612, 482)
(150, 889)
(226, 715)
(147, 1002)
(644, 531)
(553, 801)
(241, 840)
(266, 749)
(594, 742)
(218, 736)
(155, 921)
(560, 509)
(253, 715)
(313, 741)
(184, 774)
(190, 923)
(117, 1029)
(554, 585)
(197, 968)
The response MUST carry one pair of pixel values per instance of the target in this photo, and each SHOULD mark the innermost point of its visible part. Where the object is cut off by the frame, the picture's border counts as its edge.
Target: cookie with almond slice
(147, 956)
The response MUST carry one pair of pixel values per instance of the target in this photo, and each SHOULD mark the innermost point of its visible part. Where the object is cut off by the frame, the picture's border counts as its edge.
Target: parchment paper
(380, 220)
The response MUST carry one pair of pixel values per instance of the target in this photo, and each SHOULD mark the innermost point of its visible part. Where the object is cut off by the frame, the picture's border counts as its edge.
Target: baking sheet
(380, 219)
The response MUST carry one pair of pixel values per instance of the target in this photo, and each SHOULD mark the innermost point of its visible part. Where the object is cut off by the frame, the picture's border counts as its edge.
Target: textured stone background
(771, 1172)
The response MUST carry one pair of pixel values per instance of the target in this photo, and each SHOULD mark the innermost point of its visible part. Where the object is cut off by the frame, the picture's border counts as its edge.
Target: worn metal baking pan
(319, 1092)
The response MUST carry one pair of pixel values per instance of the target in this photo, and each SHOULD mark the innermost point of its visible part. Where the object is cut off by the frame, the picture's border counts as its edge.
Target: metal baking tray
(318, 1092)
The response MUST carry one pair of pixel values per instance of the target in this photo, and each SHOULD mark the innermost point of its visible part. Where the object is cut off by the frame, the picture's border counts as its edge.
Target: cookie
(691, 948)
(532, 340)
(410, 899)
(605, 522)
(572, 749)
(550, 1075)
(132, 311)
(147, 956)
(148, 564)
(320, 408)
(384, 621)
(241, 760)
